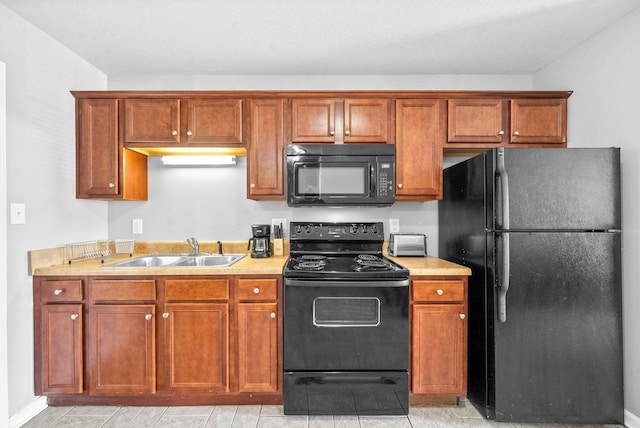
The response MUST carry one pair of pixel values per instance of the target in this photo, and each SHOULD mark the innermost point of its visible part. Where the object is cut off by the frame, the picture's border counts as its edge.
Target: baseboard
(28, 412)
(631, 420)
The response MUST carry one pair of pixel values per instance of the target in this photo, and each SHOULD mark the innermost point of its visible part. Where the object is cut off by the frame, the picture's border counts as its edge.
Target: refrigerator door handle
(503, 287)
(504, 189)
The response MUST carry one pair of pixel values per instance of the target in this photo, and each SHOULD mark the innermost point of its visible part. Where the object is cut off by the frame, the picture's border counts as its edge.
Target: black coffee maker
(261, 241)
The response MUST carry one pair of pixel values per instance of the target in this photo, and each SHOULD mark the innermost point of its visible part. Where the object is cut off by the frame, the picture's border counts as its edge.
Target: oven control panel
(337, 231)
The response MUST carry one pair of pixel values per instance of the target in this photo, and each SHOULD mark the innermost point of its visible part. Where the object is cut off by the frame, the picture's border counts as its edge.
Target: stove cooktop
(364, 266)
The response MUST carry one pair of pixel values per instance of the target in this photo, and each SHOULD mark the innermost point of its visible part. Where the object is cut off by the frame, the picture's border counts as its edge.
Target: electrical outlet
(279, 222)
(18, 214)
(136, 226)
(394, 225)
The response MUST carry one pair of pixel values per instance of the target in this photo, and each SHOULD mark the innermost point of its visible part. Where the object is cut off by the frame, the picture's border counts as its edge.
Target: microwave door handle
(372, 180)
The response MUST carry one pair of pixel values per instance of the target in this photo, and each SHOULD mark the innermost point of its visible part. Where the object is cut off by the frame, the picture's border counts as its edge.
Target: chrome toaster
(408, 244)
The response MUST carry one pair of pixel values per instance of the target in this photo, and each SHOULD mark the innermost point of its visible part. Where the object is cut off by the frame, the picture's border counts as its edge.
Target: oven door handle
(343, 283)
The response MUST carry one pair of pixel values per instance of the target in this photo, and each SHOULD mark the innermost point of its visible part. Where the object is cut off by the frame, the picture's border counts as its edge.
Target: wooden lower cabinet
(439, 336)
(258, 338)
(195, 322)
(61, 354)
(215, 340)
(122, 349)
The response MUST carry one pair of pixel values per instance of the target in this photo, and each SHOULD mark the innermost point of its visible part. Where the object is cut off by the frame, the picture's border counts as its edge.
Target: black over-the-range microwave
(340, 174)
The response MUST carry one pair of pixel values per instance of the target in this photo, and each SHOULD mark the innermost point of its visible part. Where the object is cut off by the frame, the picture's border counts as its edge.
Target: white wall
(4, 393)
(604, 74)
(210, 204)
(40, 173)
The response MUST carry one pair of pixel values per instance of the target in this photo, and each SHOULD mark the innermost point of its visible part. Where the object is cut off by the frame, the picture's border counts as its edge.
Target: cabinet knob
(58, 292)
(174, 132)
(252, 185)
(347, 132)
(273, 314)
(462, 316)
(147, 317)
(74, 317)
(501, 133)
(256, 290)
(189, 133)
(165, 315)
(399, 185)
(112, 185)
(332, 132)
(440, 292)
(516, 133)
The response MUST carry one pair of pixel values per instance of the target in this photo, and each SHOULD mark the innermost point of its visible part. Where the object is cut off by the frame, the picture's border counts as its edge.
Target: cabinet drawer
(122, 289)
(258, 289)
(437, 291)
(197, 289)
(67, 290)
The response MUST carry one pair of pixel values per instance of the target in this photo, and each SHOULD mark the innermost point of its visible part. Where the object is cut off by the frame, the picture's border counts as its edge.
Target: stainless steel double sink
(180, 260)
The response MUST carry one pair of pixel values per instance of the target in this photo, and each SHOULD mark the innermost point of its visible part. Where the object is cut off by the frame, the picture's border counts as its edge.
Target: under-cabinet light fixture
(198, 160)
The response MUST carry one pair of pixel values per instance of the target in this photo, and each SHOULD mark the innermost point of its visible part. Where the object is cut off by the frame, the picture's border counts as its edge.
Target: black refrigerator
(541, 231)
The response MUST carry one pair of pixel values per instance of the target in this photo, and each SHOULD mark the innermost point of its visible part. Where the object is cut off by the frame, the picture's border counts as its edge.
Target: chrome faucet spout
(194, 244)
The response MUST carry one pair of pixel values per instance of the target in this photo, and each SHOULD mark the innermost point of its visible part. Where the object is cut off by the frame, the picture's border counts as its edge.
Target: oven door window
(340, 179)
(346, 312)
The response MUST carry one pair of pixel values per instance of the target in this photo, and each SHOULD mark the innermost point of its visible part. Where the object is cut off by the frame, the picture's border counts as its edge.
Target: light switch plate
(18, 214)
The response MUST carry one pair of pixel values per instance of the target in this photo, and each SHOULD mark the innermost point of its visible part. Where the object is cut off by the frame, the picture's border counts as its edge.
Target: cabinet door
(539, 121)
(438, 349)
(197, 346)
(258, 347)
(122, 349)
(61, 349)
(214, 122)
(420, 133)
(97, 148)
(477, 121)
(313, 120)
(265, 171)
(366, 120)
(154, 120)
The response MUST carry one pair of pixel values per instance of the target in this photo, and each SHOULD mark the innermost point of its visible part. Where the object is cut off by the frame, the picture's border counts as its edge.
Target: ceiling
(341, 37)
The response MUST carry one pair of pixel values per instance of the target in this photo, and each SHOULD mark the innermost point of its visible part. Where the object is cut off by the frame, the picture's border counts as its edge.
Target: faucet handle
(219, 247)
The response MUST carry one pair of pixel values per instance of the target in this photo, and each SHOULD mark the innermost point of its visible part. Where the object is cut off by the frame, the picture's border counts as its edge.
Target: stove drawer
(437, 291)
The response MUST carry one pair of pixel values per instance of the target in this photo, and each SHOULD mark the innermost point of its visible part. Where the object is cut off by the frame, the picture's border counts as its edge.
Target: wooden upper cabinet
(214, 121)
(477, 121)
(420, 134)
(162, 122)
(333, 120)
(503, 122)
(104, 169)
(155, 120)
(265, 157)
(366, 120)
(539, 121)
(313, 120)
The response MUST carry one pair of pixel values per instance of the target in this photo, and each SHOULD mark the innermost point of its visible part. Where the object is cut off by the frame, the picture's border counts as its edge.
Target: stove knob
(353, 229)
(364, 229)
(308, 228)
(374, 229)
(298, 229)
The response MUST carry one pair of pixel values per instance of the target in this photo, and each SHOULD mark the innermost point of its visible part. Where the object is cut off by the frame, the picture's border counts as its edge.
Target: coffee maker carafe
(261, 241)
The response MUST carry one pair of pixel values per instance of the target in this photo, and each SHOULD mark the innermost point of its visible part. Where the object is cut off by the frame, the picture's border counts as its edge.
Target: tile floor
(260, 417)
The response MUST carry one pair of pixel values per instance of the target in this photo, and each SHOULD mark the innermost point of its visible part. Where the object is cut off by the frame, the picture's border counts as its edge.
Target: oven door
(346, 325)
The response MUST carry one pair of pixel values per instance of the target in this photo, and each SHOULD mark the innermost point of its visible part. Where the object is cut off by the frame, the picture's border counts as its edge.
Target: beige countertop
(49, 262)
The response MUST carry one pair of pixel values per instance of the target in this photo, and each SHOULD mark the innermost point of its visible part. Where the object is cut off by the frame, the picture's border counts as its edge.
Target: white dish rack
(98, 249)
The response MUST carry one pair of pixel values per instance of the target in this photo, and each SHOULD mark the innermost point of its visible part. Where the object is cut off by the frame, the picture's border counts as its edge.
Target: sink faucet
(219, 247)
(194, 244)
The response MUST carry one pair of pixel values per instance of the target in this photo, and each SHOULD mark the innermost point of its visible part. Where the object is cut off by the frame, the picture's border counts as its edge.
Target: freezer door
(566, 189)
(558, 353)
